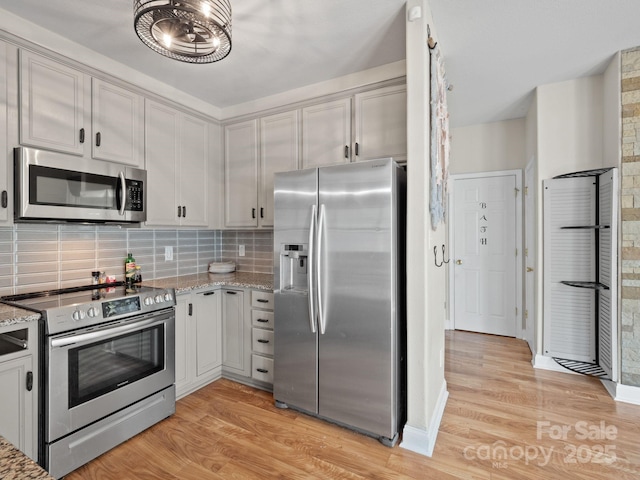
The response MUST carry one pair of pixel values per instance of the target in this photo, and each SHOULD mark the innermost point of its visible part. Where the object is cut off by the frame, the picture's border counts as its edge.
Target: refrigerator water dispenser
(293, 267)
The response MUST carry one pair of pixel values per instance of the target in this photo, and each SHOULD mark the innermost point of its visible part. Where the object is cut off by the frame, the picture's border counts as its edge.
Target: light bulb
(166, 39)
(216, 42)
(206, 9)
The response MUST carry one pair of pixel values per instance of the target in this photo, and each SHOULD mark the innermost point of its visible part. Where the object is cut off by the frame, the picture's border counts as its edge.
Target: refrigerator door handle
(319, 273)
(311, 271)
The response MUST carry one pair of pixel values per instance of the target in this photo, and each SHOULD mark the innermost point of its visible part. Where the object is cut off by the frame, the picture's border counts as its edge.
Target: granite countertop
(12, 315)
(15, 465)
(186, 283)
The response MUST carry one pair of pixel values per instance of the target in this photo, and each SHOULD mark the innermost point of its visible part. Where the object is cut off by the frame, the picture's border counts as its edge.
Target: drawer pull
(209, 293)
(262, 320)
(262, 300)
(230, 293)
(263, 341)
(262, 370)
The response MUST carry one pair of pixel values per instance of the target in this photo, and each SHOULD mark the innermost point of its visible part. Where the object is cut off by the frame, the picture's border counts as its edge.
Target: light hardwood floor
(546, 425)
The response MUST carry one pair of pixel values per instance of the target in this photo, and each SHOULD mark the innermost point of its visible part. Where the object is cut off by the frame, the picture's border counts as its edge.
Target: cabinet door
(161, 162)
(381, 124)
(183, 348)
(233, 351)
(326, 133)
(208, 332)
(278, 153)
(116, 124)
(16, 415)
(51, 105)
(193, 171)
(5, 172)
(241, 174)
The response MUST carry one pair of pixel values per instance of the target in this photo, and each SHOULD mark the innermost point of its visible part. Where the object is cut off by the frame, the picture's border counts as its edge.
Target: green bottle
(129, 270)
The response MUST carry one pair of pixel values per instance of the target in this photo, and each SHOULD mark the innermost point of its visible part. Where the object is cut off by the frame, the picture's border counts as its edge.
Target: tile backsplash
(41, 257)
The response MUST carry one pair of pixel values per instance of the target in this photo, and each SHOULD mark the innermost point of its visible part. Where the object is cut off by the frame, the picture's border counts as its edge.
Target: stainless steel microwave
(54, 187)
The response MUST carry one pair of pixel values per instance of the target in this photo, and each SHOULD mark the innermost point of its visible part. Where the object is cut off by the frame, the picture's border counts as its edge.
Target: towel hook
(435, 255)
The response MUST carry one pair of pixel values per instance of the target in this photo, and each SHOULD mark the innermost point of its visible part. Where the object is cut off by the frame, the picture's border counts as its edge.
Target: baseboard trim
(547, 363)
(623, 393)
(423, 441)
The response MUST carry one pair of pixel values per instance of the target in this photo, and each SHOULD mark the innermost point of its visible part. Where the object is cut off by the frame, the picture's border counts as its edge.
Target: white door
(530, 254)
(485, 270)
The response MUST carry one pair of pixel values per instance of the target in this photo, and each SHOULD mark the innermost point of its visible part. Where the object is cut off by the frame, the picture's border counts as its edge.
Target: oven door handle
(104, 333)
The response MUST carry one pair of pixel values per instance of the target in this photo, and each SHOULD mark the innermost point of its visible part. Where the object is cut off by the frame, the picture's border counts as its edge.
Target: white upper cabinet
(59, 110)
(326, 133)
(241, 174)
(279, 147)
(117, 124)
(5, 160)
(52, 100)
(381, 124)
(176, 164)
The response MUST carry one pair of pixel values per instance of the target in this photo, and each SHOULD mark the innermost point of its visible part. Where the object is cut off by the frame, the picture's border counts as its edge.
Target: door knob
(458, 262)
(529, 269)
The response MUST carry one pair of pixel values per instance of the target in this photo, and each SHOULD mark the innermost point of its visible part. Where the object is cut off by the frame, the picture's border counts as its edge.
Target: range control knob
(168, 297)
(77, 315)
(158, 299)
(148, 301)
(93, 312)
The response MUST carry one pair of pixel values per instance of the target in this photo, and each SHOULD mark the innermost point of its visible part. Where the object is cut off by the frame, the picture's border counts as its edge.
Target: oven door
(94, 372)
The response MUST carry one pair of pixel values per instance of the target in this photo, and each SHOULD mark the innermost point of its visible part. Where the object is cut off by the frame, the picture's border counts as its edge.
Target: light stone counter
(15, 465)
(186, 283)
(12, 315)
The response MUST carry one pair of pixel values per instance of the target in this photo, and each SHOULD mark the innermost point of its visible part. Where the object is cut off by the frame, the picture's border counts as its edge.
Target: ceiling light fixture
(193, 31)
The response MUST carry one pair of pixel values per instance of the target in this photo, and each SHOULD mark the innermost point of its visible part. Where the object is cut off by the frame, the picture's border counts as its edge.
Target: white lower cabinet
(262, 337)
(18, 387)
(198, 340)
(236, 349)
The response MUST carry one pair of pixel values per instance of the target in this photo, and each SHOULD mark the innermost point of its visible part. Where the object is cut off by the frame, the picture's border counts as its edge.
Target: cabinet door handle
(229, 292)
(262, 320)
(29, 381)
(209, 293)
(261, 212)
(191, 309)
(184, 212)
(262, 370)
(346, 151)
(5, 199)
(99, 139)
(179, 211)
(253, 213)
(262, 300)
(357, 149)
(81, 135)
(263, 341)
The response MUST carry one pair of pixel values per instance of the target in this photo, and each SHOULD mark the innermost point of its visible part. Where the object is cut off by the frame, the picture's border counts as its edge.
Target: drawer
(262, 341)
(262, 319)
(261, 299)
(262, 368)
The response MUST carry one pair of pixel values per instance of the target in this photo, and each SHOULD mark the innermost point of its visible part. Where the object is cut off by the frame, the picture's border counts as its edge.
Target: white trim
(423, 441)
(623, 393)
(519, 241)
(543, 362)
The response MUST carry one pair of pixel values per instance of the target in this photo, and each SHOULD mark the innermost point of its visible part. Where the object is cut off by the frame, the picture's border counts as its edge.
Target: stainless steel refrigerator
(339, 295)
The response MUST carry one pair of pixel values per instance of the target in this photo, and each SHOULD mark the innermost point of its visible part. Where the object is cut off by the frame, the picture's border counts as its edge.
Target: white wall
(488, 147)
(425, 283)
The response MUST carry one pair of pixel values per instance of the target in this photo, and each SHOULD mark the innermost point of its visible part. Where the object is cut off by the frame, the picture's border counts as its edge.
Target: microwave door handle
(123, 189)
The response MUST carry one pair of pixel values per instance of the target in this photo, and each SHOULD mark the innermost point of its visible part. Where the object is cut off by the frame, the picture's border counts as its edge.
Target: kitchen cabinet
(279, 147)
(18, 387)
(326, 133)
(63, 109)
(251, 160)
(262, 337)
(176, 163)
(6, 157)
(236, 348)
(381, 124)
(116, 123)
(241, 174)
(198, 340)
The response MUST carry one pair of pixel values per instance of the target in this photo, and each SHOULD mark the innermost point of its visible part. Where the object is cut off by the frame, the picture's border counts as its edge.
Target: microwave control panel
(135, 196)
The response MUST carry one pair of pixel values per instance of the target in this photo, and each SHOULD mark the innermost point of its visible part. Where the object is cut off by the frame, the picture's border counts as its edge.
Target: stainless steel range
(108, 368)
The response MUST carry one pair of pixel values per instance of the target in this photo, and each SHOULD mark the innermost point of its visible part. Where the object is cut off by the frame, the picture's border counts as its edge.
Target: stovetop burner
(76, 307)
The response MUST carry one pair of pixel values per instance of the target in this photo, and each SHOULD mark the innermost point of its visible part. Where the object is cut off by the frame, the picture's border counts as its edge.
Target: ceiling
(496, 51)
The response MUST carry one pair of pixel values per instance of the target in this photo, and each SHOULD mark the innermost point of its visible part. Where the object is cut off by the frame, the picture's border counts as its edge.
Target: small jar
(95, 278)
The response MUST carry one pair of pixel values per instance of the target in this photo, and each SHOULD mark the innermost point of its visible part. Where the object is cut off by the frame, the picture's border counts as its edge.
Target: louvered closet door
(569, 255)
(607, 261)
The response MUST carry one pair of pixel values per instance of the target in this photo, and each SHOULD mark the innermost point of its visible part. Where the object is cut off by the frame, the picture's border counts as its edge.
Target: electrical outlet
(168, 253)
(241, 250)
